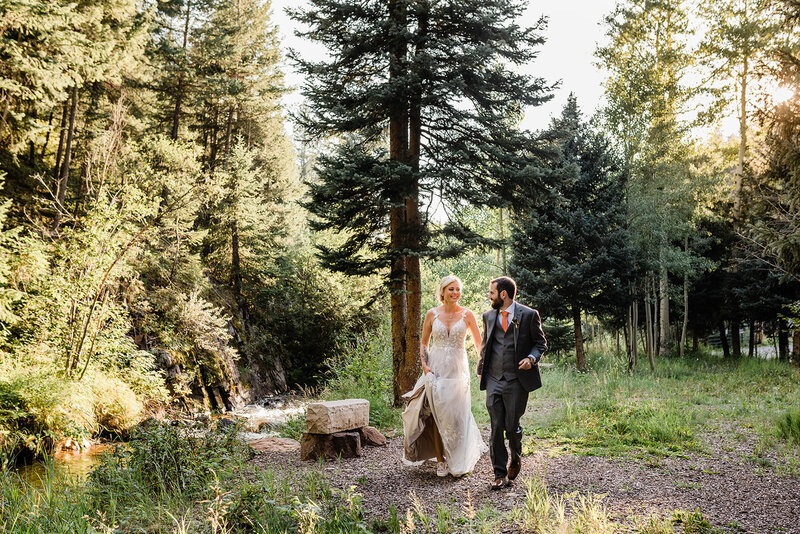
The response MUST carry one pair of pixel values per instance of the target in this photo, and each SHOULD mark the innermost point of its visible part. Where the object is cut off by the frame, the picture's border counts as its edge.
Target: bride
(438, 421)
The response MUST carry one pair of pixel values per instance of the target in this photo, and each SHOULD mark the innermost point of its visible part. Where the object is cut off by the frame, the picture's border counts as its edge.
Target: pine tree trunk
(228, 133)
(736, 340)
(723, 338)
(399, 231)
(62, 135)
(47, 137)
(64, 174)
(751, 338)
(580, 357)
(31, 145)
(179, 91)
(411, 370)
(796, 345)
(399, 309)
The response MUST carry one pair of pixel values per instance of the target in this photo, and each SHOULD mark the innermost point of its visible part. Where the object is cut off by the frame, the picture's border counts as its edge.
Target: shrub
(364, 370)
(162, 459)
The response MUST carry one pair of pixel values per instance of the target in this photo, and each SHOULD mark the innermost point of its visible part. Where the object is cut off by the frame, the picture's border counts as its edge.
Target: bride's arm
(427, 326)
(472, 324)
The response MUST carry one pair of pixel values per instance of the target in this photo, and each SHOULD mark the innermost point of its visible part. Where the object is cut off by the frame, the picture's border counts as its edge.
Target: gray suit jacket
(529, 340)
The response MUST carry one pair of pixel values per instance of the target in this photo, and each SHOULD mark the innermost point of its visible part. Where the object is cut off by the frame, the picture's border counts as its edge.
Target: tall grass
(610, 411)
(177, 480)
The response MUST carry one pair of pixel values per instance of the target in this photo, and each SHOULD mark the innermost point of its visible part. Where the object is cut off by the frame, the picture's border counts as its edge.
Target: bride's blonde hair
(446, 281)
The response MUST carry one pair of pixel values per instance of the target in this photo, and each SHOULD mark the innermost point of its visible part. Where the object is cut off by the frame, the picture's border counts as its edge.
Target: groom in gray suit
(508, 370)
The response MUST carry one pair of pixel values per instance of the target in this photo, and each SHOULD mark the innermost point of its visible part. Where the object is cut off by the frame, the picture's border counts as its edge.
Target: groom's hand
(525, 364)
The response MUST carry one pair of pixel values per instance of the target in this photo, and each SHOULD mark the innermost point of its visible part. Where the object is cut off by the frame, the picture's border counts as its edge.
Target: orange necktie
(505, 320)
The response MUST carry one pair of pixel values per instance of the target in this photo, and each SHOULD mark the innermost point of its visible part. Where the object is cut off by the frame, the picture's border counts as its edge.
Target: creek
(258, 419)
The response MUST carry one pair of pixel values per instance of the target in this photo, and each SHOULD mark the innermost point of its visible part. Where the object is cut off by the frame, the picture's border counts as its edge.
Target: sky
(573, 31)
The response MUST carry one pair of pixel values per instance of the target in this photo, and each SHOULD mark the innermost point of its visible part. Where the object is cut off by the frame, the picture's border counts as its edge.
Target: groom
(508, 370)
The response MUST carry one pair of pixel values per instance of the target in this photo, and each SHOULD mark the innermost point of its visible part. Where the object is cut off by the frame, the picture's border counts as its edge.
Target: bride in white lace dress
(438, 421)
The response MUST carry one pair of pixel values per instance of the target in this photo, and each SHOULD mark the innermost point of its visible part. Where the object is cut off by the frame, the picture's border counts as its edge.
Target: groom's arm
(537, 335)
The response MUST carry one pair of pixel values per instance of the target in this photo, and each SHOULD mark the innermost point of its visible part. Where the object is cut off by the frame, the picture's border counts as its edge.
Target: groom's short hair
(504, 283)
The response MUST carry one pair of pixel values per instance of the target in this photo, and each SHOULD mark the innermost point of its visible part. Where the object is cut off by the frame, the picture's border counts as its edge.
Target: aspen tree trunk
(635, 332)
(783, 339)
(739, 180)
(685, 301)
(580, 357)
(503, 265)
(648, 320)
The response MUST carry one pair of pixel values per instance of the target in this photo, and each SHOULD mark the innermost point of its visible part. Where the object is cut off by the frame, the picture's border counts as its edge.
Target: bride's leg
(438, 446)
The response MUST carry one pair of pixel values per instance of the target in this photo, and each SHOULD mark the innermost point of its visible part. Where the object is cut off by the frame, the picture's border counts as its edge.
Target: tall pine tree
(438, 78)
(572, 254)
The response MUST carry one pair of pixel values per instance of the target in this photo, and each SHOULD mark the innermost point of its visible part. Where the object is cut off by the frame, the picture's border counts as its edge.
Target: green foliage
(166, 460)
(364, 370)
(292, 428)
(560, 337)
(789, 426)
(693, 522)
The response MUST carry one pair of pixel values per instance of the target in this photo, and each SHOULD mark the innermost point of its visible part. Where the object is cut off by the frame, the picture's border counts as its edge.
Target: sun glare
(781, 94)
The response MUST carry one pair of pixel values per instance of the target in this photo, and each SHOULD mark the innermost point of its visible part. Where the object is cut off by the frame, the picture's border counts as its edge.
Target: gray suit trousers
(506, 402)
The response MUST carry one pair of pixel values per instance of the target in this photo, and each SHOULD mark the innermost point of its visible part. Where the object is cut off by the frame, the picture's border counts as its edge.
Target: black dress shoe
(499, 483)
(513, 468)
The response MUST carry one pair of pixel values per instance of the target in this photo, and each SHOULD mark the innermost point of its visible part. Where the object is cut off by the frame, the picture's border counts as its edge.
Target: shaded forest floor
(733, 485)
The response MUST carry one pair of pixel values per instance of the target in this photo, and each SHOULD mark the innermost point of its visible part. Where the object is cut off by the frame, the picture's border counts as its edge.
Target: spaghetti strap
(435, 313)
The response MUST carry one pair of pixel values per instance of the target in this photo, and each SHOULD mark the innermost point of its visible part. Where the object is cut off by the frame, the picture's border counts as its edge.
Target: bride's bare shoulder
(432, 312)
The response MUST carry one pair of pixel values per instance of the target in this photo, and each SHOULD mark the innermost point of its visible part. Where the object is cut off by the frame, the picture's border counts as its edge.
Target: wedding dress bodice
(452, 339)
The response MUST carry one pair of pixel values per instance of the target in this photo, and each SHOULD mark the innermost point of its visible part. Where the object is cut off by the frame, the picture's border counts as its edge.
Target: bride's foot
(441, 469)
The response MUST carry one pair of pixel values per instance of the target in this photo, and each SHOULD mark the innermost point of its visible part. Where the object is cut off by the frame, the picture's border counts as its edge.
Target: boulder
(330, 446)
(275, 445)
(371, 436)
(337, 416)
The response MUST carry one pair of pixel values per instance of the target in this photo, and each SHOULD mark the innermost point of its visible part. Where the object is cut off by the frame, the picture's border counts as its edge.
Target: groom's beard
(497, 304)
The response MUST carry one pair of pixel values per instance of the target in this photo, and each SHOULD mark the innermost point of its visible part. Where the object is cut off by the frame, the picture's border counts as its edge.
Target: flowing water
(259, 419)
(71, 464)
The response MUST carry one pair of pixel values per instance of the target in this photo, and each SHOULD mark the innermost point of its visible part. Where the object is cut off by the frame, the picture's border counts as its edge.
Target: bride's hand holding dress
(438, 421)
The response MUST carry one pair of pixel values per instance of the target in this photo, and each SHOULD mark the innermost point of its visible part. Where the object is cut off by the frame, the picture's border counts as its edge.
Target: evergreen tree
(572, 254)
(437, 77)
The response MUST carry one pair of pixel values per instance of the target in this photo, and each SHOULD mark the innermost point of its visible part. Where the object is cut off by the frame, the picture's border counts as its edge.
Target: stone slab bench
(337, 429)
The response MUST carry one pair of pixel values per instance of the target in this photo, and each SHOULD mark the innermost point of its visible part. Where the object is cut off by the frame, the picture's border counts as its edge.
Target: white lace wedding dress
(444, 395)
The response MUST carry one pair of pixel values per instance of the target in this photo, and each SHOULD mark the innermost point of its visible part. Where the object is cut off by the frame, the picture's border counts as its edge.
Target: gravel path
(733, 492)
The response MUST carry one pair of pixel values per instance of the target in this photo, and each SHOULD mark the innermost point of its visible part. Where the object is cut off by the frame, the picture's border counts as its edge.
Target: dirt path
(733, 492)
